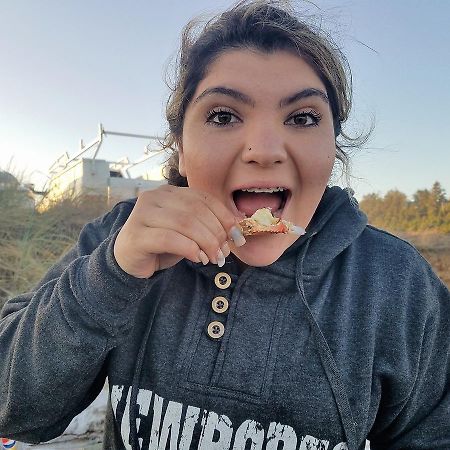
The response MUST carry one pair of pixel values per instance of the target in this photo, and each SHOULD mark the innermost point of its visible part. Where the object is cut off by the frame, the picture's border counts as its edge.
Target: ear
(181, 165)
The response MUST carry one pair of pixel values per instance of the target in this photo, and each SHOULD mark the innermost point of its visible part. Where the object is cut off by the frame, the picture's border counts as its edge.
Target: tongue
(249, 202)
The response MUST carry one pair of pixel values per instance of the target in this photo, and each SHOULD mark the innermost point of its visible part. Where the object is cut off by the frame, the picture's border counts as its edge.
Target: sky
(67, 66)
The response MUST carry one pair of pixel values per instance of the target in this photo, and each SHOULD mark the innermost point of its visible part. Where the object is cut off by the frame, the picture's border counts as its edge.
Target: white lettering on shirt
(170, 430)
(252, 431)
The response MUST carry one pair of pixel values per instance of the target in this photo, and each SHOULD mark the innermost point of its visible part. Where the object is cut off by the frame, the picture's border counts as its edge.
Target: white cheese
(264, 217)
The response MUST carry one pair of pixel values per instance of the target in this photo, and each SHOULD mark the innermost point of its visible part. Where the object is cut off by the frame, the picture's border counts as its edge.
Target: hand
(170, 223)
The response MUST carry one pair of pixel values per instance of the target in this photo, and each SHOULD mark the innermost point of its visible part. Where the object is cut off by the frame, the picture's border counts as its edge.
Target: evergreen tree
(429, 210)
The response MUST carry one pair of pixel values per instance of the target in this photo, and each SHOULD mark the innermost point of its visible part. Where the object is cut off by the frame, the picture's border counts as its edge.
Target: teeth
(269, 190)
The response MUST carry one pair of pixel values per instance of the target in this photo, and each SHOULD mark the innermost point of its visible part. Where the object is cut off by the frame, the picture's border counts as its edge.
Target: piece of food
(262, 221)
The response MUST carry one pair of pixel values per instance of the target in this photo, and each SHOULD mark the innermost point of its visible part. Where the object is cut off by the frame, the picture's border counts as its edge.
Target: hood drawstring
(137, 376)
(327, 359)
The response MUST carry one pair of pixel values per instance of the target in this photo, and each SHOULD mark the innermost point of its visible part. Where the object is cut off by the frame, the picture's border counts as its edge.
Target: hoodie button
(222, 280)
(219, 304)
(216, 330)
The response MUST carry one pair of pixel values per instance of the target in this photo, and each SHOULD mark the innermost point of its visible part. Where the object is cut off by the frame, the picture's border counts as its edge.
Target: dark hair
(266, 26)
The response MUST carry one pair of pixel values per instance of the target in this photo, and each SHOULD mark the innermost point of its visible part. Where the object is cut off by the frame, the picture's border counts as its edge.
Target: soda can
(9, 444)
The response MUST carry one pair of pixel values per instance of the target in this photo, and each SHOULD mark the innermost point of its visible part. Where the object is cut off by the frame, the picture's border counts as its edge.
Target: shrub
(31, 240)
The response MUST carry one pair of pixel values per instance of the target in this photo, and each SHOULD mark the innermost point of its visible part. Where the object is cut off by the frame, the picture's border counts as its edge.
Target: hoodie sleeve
(54, 340)
(421, 418)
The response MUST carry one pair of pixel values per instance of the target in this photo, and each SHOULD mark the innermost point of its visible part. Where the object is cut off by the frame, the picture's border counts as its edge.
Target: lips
(249, 199)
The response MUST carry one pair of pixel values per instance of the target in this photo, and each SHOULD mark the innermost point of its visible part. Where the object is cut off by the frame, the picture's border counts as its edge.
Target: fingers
(164, 242)
(171, 223)
(208, 237)
(141, 252)
(197, 216)
(202, 206)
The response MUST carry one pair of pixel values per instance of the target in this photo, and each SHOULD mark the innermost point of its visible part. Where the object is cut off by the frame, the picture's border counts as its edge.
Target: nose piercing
(249, 148)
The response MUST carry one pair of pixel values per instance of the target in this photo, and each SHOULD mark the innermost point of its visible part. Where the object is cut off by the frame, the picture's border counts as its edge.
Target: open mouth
(249, 200)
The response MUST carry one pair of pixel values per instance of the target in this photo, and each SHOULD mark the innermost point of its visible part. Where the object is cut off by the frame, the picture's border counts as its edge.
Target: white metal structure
(81, 175)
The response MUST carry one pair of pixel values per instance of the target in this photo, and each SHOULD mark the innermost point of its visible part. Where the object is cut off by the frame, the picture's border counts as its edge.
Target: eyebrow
(244, 98)
(305, 93)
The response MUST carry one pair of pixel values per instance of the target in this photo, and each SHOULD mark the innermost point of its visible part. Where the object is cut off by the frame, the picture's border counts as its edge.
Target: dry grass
(32, 241)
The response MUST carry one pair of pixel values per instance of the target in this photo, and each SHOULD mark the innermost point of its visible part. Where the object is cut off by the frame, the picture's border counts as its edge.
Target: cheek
(203, 167)
(317, 163)
(206, 156)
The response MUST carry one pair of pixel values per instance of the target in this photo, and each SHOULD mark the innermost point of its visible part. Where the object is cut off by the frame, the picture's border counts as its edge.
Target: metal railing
(124, 164)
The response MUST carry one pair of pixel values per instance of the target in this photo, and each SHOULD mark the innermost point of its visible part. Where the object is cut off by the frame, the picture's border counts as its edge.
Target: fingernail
(220, 258)
(297, 230)
(225, 249)
(237, 236)
(203, 258)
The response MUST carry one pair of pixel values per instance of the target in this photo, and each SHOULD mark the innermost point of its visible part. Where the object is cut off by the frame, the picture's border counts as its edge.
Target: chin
(263, 250)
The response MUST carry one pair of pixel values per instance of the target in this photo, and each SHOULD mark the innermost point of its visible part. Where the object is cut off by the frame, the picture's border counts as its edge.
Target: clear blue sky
(67, 65)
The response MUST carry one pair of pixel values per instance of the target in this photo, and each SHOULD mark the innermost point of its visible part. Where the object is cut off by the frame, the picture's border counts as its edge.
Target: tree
(429, 210)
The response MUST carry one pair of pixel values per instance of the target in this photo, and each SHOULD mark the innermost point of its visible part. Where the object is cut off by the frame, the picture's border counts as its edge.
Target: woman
(211, 340)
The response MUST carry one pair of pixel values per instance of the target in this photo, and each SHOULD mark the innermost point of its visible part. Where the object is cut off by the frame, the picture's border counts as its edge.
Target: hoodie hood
(337, 223)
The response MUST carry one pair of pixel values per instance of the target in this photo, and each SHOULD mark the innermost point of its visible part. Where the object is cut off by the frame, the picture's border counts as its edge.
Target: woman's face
(260, 121)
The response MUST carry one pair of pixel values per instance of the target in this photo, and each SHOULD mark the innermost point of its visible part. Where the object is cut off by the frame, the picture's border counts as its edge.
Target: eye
(304, 119)
(221, 117)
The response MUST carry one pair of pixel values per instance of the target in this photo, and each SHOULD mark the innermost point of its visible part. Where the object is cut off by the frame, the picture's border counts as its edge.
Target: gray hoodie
(345, 338)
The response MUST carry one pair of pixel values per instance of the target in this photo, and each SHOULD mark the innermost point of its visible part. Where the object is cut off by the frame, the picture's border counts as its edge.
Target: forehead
(277, 73)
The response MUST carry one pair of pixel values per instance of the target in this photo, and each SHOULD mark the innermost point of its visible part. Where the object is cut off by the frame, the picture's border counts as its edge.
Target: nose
(264, 145)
